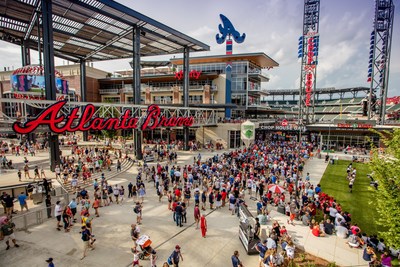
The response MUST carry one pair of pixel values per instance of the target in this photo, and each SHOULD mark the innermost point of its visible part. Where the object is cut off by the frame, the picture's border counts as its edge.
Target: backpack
(85, 235)
(136, 210)
(110, 190)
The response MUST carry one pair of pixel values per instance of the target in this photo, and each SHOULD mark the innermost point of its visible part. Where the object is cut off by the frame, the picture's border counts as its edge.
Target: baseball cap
(265, 241)
(49, 260)
(177, 247)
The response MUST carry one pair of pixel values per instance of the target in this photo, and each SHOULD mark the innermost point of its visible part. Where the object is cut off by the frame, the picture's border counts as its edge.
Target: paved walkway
(330, 248)
(112, 230)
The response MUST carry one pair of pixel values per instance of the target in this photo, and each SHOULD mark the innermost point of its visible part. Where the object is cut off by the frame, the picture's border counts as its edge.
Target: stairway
(209, 134)
(125, 165)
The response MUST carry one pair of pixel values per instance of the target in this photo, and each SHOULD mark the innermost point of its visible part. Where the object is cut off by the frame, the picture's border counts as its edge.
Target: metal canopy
(92, 30)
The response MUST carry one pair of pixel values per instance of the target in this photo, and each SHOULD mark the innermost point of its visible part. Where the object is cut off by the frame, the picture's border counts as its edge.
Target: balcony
(164, 102)
(113, 91)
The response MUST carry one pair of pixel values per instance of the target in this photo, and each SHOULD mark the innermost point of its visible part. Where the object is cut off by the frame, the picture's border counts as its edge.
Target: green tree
(108, 111)
(386, 168)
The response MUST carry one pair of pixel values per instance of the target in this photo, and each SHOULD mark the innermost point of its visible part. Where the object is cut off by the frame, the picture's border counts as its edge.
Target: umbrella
(276, 188)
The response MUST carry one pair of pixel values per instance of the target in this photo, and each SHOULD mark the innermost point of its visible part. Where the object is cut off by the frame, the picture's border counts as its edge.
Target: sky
(272, 27)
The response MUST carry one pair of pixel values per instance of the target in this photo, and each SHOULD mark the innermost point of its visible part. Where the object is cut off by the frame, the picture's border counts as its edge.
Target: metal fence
(38, 215)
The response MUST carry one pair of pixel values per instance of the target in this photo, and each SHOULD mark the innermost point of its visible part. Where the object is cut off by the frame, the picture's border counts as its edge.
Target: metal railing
(109, 91)
(38, 215)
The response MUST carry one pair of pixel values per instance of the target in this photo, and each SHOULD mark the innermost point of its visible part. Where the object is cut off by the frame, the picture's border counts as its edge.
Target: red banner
(86, 121)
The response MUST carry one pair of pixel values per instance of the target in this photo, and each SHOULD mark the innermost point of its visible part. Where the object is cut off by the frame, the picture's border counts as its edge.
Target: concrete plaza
(112, 231)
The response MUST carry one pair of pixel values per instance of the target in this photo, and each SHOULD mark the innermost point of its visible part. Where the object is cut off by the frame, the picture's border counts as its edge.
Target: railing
(38, 215)
(109, 91)
(160, 89)
(162, 102)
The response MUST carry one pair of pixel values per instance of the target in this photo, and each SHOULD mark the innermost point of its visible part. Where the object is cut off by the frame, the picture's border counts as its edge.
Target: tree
(386, 167)
(108, 111)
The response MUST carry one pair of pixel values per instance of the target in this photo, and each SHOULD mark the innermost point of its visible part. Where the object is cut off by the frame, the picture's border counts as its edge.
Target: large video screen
(33, 83)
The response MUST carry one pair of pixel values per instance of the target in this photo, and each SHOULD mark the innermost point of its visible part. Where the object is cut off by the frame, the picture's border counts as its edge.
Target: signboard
(290, 127)
(33, 96)
(355, 125)
(247, 132)
(192, 74)
(284, 123)
(86, 120)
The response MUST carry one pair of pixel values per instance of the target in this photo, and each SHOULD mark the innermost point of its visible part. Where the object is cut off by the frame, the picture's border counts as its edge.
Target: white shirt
(332, 212)
(57, 210)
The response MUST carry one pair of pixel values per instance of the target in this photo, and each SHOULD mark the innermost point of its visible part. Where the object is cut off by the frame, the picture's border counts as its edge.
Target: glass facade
(234, 139)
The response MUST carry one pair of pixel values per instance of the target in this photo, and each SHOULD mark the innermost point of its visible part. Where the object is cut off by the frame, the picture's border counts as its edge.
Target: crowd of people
(217, 183)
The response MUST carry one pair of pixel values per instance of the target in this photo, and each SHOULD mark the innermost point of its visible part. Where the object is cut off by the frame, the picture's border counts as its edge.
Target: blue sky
(272, 27)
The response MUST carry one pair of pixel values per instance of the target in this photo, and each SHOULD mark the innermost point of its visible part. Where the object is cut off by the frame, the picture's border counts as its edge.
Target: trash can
(37, 198)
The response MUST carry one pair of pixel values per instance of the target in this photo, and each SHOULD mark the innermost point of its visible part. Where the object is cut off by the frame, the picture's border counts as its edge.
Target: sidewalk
(330, 248)
(112, 230)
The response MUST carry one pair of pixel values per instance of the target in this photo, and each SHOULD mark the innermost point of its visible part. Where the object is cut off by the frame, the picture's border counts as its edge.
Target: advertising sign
(247, 132)
(84, 119)
(34, 83)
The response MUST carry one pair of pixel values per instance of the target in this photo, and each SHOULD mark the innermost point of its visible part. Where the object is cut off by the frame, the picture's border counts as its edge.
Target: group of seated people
(278, 240)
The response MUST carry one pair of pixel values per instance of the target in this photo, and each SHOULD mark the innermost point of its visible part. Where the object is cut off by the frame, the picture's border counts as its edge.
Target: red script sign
(85, 121)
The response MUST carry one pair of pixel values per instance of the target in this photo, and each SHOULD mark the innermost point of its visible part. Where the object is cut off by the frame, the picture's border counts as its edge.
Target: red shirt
(174, 205)
(223, 194)
(177, 192)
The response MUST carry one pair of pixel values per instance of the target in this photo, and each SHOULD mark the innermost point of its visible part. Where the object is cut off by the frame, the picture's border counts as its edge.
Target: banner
(247, 132)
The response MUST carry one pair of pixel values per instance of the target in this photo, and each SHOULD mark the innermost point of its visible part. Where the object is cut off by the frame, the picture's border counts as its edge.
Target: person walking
(86, 235)
(22, 201)
(178, 214)
(95, 206)
(116, 193)
(197, 215)
(235, 259)
(7, 233)
(130, 187)
(57, 213)
(48, 206)
(203, 226)
(138, 210)
(176, 256)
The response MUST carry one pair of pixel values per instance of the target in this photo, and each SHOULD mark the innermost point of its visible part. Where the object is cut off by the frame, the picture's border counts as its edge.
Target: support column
(25, 53)
(137, 134)
(186, 94)
(50, 81)
(39, 37)
(26, 60)
(82, 65)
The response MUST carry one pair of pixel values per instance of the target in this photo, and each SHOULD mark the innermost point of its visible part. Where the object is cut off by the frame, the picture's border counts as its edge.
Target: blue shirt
(235, 261)
(262, 249)
(72, 205)
(22, 199)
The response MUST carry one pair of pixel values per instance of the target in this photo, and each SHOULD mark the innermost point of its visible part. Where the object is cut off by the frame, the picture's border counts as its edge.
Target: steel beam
(82, 65)
(186, 94)
(49, 74)
(136, 82)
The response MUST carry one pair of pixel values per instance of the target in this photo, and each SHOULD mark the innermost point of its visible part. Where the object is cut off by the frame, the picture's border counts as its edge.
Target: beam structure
(137, 134)
(49, 74)
(186, 94)
(379, 59)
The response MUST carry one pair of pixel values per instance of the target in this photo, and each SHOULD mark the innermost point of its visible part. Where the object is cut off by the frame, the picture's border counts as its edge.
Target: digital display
(33, 83)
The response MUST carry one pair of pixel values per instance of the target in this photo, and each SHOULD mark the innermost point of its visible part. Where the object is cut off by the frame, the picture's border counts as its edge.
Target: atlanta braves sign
(86, 121)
